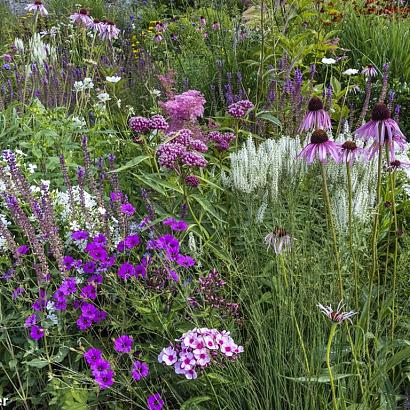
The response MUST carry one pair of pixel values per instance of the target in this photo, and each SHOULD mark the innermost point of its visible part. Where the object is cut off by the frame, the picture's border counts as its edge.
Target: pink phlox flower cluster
(240, 108)
(143, 125)
(198, 349)
(221, 140)
(182, 149)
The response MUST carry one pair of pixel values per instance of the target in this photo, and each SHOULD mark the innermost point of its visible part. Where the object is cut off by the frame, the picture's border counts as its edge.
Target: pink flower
(155, 402)
(215, 26)
(350, 152)
(187, 361)
(109, 31)
(123, 344)
(369, 71)
(191, 374)
(168, 356)
(337, 315)
(383, 130)
(37, 7)
(81, 18)
(140, 370)
(316, 117)
(202, 357)
(320, 147)
(396, 164)
(279, 239)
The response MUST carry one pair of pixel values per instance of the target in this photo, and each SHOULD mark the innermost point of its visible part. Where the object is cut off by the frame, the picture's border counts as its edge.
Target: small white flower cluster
(3, 242)
(86, 84)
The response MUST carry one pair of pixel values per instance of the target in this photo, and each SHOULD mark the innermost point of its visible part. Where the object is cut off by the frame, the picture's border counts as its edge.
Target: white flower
(45, 182)
(31, 168)
(328, 60)
(18, 43)
(156, 93)
(79, 122)
(78, 86)
(104, 97)
(119, 103)
(52, 317)
(350, 71)
(114, 79)
(102, 210)
(88, 83)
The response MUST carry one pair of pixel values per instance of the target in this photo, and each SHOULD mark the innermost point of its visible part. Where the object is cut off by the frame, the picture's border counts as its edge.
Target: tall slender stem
(396, 246)
(329, 367)
(350, 195)
(332, 228)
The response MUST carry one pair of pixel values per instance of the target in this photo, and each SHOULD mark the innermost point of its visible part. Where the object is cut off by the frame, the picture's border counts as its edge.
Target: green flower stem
(329, 368)
(332, 228)
(396, 246)
(350, 194)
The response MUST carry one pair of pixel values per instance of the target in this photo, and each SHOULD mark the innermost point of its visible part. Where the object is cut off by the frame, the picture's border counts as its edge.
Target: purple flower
(109, 31)
(100, 239)
(99, 366)
(140, 270)
(31, 320)
(240, 108)
(192, 181)
(36, 332)
(316, 117)
(383, 130)
(88, 310)
(158, 122)
(132, 241)
(84, 323)
(100, 316)
(92, 355)
(68, 262)
(176, 225)
(17, 293)
(69, 286)
(123, 344)
(23, 250)
(185, 261)
(127, 209)
(89, 267)
(105, 379)
(116, 196)
(154, 402)
(37, 7)
(320, 146)
(350, 152)
(79, 235)
(81, 18)
(60, 305)
(89, 292)
(139, 370)
(140, 125)
(126, 270)
(98, 253)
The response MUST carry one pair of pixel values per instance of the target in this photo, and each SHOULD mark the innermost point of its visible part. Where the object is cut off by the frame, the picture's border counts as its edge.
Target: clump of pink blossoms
(142, 125)
(240, 108)
(198, 349)
(184, 109)
(182, 149)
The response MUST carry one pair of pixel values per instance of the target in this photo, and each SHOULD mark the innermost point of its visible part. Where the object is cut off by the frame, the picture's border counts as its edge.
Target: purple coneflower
(158, 38)
(279, 239)
(350, 152)
(316, 117)
(81, 18)
(383, 129)
(109, 31)
(215, 26)
(202, 21)
(369, 71)
(396, 164)
(320, 146)
(37, 7)
(337, 315)
(96, 25)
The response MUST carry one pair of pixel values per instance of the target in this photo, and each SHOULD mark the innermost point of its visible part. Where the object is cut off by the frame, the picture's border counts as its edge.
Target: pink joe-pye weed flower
(81, 18)
(279, 239)
(350, 152)
(37, 7)
(337, 316)
(316, 117)
(383, 130)
(321, 148)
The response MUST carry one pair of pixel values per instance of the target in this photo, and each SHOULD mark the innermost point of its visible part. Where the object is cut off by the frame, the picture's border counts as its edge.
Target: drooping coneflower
(37, 7)
(369, 71)
(397, 164)
(316, 117)
(109, 31)
(336, 316)
(383, 130)
(350, 152)
(320, 147)
(279, 239)
(81, 18)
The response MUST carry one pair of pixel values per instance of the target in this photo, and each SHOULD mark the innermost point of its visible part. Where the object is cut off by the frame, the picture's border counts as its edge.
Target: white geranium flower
(78, 86)
(88, 83)
(114, 79)
(350, 71)
(328, 60)
(31, 168)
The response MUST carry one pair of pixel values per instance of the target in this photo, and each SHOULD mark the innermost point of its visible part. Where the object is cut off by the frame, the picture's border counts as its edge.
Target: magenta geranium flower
(37, 7)
(105, 379)
(81, 18)
(320, 147)
(92, 355)
(139, 370)
(127, 209)
(316, 117)
(36, 332)
(23, 250)
(383, 130)
(155, 402)
(350, 152)
(123, 344)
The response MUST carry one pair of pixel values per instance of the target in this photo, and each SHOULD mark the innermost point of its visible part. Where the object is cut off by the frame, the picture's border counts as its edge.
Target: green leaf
(193, 402)
(38, 363)
(206, 206)
(267, 116)
(218, 378)
(320, 379)
(130, 164)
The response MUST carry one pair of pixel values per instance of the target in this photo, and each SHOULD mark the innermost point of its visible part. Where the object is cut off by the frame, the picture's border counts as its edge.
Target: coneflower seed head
(315, 104)
(319, 137)
(380, 112)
